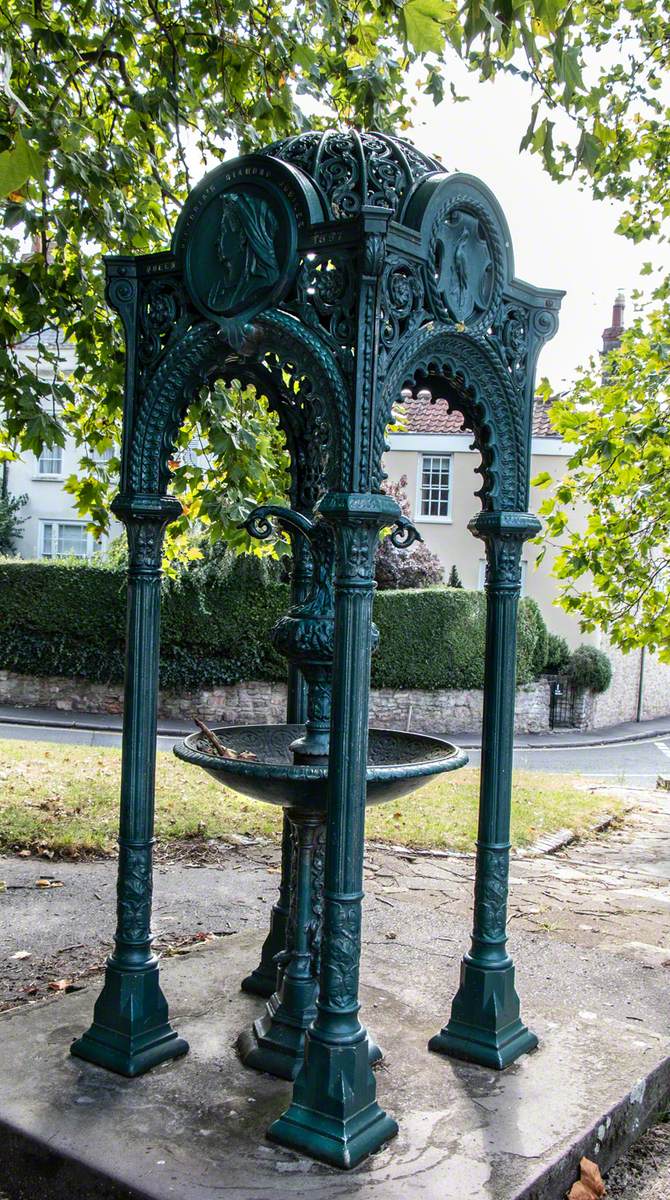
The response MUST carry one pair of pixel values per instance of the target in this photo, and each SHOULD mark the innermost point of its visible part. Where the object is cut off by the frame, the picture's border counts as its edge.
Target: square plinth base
(196, 1126)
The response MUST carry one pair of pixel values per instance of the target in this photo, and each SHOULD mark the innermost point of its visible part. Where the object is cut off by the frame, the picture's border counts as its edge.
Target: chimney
(612, 335)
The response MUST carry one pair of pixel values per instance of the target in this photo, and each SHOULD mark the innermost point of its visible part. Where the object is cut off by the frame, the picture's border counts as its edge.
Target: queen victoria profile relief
(245, 249)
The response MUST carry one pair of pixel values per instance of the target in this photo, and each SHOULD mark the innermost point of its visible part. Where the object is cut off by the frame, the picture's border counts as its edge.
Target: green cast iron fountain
(333, 271)
(288, 765)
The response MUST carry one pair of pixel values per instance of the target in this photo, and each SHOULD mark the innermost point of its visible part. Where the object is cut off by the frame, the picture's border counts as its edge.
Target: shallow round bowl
(398, 763)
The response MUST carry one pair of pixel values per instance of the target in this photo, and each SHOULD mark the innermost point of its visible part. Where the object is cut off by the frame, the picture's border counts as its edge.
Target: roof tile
(422, 414)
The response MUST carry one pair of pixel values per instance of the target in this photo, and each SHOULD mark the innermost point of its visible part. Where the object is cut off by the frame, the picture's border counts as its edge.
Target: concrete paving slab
(194, 1129)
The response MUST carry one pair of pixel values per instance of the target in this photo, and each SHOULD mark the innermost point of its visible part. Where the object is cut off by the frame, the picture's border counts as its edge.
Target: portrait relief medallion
(239, 251)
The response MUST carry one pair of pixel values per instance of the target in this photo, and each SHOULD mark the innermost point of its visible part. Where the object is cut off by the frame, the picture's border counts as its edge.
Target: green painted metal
(130, 1031)
(265, 978)
(334, 1115)
(332, 270)
(398, 765)
(485, 1025)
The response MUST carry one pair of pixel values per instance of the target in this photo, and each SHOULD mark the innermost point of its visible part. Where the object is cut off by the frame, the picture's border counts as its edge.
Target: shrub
(539, 660)
(10, 521)
(454, 580)
(398, 568)
(434, 638)
(590, 668)
(68, 618)
(558, 654)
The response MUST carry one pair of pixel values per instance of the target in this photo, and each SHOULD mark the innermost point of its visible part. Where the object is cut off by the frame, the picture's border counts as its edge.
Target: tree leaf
(424, 21)
(18, 165)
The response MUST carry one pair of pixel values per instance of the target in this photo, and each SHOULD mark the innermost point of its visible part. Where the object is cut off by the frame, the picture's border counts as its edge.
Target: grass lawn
(65, 799)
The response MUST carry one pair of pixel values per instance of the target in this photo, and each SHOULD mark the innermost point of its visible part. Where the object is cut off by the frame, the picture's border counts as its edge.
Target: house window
(50, 461)
(434, 499)
(63, 538)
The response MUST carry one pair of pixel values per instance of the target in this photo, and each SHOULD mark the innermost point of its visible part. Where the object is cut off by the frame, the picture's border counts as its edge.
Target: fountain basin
(398, 763)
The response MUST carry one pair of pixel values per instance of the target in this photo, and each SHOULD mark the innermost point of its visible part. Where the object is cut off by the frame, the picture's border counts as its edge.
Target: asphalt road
(637, 764)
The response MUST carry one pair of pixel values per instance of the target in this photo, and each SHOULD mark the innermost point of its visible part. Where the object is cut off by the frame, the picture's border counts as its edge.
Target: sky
(562, 237)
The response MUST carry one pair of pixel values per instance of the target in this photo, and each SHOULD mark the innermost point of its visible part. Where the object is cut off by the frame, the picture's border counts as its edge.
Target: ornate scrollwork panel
(477, 385)
(296, 360)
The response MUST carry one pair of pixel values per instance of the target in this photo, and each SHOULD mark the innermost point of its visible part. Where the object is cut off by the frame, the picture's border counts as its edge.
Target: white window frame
(482, 575)
(442, 519)
(47, 475)
(90, 543)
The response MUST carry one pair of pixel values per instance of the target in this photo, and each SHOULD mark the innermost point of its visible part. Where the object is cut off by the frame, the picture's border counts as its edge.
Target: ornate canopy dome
(352, 169)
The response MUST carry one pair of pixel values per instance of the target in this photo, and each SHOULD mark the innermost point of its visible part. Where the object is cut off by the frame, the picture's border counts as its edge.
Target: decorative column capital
(357, 518)
(504, 534)
(349, 508)
(145, 517)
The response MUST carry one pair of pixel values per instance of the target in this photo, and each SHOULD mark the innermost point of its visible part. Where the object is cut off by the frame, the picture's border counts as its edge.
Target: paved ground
(590, 929)
(611, 891)
(644, 1172)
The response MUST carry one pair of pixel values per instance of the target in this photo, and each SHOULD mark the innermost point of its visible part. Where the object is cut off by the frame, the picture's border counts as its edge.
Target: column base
(485, 1026)
(275, 1044)
(130, 1033)
(263, 979)
(334, 1116)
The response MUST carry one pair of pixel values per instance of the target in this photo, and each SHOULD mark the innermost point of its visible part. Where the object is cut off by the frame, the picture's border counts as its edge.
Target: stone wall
(256, 702)
(620, 701)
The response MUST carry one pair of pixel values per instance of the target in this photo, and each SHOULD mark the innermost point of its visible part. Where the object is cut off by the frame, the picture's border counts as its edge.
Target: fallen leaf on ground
(64, 985)
(48, 883)
(24, 853)
(3, 886)
(590, 1185)
(21, 954)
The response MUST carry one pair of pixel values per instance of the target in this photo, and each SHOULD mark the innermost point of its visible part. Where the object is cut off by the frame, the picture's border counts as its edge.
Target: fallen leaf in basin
(21, 954)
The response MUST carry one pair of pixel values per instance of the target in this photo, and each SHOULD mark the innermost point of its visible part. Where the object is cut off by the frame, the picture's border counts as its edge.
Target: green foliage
(536, 621)
(590, 668)
(435, 638)
(108, 115)
(454, 580)
(614, 572)
(216, 617)
(396, 567)
(109, 112)
(10, 521)
(558, 654)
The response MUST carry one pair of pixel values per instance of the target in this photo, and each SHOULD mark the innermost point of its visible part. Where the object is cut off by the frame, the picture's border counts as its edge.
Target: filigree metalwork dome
(352, 169)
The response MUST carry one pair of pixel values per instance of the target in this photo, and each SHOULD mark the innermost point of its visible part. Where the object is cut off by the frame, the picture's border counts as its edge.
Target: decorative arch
(278, 352)
(473, 381)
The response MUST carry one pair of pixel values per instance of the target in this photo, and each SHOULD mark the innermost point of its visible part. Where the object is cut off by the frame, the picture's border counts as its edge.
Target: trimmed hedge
(68, 618)
(590, 667)
(434, 638)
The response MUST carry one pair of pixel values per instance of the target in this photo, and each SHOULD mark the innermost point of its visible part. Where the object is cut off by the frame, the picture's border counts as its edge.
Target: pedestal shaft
(334, 1115)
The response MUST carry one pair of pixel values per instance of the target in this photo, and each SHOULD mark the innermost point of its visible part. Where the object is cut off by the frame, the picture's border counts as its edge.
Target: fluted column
(130, 1031)
(485, 1025)
(266, 977)
(334, 1115)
